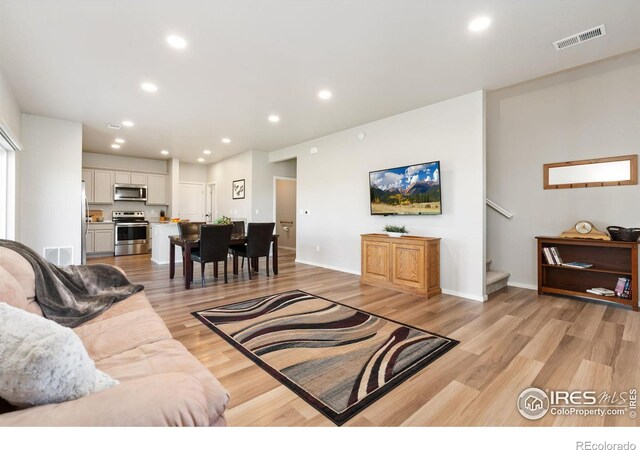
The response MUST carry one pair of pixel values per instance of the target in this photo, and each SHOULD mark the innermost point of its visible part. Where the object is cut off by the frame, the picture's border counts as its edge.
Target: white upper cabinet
(138, 178)
(157, 192)
(99, 185)
(102, 186)
(123, 177)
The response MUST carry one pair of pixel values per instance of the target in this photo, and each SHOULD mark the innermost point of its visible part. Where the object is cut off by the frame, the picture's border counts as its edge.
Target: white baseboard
(477, 298)
(523, 285)
(357, 272)
(326, 266)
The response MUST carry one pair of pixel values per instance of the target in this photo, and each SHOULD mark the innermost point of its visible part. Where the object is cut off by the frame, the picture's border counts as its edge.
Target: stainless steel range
(131, 236)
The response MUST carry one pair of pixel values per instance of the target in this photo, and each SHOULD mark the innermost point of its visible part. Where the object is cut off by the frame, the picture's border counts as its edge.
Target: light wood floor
(515, 340)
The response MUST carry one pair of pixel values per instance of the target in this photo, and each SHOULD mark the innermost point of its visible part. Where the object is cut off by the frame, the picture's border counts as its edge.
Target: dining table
(190, 243)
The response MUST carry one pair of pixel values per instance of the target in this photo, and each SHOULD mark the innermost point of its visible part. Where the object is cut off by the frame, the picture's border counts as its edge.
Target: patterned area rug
(337, 358)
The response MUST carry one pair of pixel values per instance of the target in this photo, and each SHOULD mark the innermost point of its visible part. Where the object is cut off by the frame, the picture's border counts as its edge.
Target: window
(4, 184)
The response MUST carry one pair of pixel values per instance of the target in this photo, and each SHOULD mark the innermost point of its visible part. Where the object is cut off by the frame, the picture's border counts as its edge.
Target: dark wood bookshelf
(610, 259)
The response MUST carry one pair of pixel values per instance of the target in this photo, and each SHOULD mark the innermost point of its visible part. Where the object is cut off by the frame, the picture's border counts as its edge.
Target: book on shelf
(602, 291)
(623, 287)
(578, 265)
(552, 255)
(556, 255)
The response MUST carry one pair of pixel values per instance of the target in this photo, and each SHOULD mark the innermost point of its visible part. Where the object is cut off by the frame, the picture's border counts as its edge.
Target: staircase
(495, 280)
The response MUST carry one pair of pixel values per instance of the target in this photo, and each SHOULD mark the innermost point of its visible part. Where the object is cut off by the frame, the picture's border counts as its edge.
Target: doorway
(192, 201)
(212, 202)
(285, 211)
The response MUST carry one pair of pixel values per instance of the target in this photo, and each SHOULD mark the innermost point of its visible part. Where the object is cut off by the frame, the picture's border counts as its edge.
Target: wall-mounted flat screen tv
(408, 190)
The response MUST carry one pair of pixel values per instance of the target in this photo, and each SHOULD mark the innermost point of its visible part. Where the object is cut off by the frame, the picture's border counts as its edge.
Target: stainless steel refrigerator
(85, 225)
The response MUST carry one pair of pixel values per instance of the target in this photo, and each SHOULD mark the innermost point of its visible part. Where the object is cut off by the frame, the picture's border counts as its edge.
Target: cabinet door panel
(408, 265)
(103, 241)
(157, 189)
(90, 236)
(123, 178)
(138, 178)
(375, 260)
(103, 186)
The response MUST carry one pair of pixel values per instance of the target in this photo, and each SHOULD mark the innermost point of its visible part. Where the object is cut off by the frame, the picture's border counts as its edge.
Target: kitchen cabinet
(138, 178)
(90, 240)
(87, 177)
(102, 187)
(100, 238)
(157, 192)
(103, 241)
(122, 178)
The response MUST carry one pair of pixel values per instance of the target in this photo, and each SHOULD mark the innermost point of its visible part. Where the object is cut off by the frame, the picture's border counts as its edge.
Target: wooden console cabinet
(610, 259)
(409, 263)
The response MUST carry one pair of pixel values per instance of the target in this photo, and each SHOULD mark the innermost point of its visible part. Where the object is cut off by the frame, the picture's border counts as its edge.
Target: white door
(212, 208)
(191, 201)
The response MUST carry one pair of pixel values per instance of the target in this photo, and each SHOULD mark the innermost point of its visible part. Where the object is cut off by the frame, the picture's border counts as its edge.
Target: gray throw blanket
(74, 294)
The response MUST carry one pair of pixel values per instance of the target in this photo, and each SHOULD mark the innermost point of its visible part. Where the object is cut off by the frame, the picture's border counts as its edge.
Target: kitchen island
(160, 232)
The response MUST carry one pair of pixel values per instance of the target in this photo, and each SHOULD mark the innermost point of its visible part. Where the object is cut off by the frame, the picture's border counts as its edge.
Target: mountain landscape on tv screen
(406, 190)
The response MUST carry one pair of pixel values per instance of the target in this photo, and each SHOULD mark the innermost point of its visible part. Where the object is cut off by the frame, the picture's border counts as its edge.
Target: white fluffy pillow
(43, 362)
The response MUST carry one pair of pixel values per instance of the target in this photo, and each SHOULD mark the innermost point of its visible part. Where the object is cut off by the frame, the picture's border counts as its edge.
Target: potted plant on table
(395, 230)
(224, 220)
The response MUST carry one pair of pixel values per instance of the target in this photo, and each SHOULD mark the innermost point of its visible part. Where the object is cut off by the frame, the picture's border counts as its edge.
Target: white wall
(223, 173)
(587, 112)
(193, 173)
(263, 193)
(333, 186)
(50, 184)
(9, 109)
(126, 163)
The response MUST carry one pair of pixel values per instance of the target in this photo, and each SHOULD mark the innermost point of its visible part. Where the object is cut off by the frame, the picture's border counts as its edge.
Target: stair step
(488, 264)
(496, 281)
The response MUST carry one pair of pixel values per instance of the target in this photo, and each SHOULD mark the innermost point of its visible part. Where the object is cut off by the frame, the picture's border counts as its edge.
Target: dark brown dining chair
(259, 237)
(238, 230)
(214, 245)
(188, 230)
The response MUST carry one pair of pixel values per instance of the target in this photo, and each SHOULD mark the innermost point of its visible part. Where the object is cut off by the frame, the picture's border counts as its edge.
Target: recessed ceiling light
(119, 140)
(324, 94)
(479, 24)
(149, 87)
(274, 119)
(116, 146)
(164, 152)
(200, 159)
(176, 42)
(226, 140)
(206, 152)
(127, 123)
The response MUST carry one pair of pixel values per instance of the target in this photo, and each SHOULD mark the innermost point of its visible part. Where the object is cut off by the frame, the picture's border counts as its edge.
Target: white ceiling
(85, 60)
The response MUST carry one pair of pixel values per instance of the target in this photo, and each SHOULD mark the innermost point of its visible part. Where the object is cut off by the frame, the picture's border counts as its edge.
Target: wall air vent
(60, 256)
(114, 126)
(579, 38)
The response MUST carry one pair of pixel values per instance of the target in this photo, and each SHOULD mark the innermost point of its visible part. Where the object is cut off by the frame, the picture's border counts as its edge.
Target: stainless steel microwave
(130, 192)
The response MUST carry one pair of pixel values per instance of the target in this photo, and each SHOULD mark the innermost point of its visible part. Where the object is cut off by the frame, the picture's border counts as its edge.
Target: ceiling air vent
(114, 126)
(579, 38)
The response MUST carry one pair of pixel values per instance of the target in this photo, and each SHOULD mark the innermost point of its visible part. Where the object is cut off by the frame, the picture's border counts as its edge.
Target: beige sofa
(161, 383)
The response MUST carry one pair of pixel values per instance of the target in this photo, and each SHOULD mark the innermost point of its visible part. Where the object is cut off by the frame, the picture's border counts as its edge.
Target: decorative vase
(394, 234)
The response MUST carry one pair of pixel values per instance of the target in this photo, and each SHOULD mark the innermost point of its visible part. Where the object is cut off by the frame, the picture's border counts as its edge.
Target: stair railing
(499, 208)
